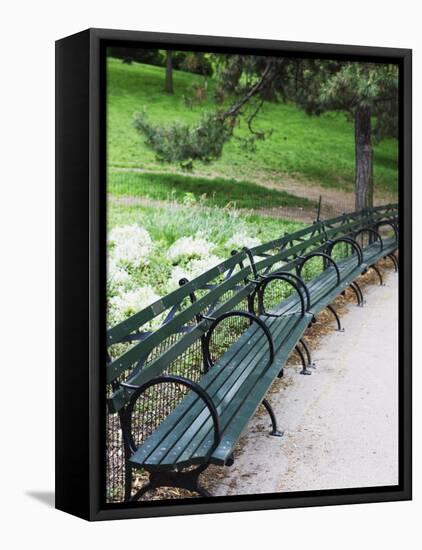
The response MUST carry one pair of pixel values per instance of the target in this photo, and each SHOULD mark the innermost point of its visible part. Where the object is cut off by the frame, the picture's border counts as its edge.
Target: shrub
(130, 245)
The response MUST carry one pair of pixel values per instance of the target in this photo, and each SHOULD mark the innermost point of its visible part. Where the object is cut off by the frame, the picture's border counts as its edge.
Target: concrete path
(341, 422)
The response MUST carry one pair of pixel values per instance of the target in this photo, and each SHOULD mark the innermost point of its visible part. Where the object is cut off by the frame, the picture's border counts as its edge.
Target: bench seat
(323, 288)
(373, 252)
(237, 384)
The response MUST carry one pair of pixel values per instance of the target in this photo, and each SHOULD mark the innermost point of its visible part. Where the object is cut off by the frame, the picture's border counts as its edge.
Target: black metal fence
(157, 402)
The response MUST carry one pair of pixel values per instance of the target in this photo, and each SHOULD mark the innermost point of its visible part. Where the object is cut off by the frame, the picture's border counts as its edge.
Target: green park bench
(321, 241)
(185, 392)
(224, 393)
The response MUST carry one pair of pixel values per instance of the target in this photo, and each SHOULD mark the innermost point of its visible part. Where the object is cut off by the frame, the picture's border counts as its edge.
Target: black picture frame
(80, 274)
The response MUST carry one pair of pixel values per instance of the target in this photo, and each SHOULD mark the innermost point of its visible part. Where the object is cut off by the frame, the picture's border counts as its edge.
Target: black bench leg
(378, 272)
(275, 431)
(128, 481)
(362, 301)
(394, 260)
(127, 454)
(305, 346)
(230, 460)
(334, 312)
(202, 492)
(358, 293)
(148, 487)
(305, 365)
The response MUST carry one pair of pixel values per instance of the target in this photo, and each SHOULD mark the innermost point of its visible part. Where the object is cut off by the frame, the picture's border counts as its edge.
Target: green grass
(319, 149)
(209, 191)
(166, 224)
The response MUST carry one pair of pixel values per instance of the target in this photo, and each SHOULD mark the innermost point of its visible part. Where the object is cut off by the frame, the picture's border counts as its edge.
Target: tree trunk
(168, 87)
(269, 94)
(364, 179)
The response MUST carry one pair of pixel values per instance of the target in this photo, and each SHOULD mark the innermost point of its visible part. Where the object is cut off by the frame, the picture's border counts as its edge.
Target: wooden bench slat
(172, 429)
(156, 367)
(212, 382)
(331, 232)
(249, 406)
(321, 284)
(186, 433)
(141, 350)
(230, 398)
(126, 327)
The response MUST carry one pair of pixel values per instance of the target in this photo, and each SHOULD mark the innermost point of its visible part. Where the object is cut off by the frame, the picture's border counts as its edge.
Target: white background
(27, 270)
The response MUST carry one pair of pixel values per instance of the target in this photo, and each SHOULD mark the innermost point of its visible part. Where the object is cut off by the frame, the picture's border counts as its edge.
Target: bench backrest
(283, 253)
(138, 354)
(151, 353)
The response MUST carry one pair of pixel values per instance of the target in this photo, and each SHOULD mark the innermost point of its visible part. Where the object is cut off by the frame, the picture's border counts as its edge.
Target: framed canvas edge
(253, 44)
(72, 469)
(95, 170)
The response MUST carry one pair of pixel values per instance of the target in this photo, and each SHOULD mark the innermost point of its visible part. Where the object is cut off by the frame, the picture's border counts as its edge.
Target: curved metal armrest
(322, 255)
(174, 379)
(373, 231)
(391, 224)
(301, 282)
(237, 313)
(284, 276)
(350, 241)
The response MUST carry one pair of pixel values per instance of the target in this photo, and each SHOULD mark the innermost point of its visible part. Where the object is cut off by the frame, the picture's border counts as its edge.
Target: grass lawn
(209, 191)
(319, 149)
(166, 224)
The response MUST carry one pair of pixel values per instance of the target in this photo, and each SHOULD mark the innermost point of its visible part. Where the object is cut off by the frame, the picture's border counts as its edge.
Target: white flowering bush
(192, 269)
(136, 279)
(117, 276)
(177, 273)
(130, 245)
(129, 302)
(197, 267)
(151, 248)
(187, 248)
(241, 239)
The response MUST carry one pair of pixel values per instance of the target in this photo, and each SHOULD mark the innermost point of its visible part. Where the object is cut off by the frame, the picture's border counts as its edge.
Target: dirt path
(334, 201)
(340, 423)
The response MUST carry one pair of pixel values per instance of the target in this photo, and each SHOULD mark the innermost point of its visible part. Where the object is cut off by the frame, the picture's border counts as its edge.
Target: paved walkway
(340, 423)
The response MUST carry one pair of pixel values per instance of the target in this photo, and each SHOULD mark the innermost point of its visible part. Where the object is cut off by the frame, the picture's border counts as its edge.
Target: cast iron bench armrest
(174, 379)
(370, 230)
(350, 241)
(283, 277)
(392, 224)
(237, 313)
(322, 255)
(299, 280)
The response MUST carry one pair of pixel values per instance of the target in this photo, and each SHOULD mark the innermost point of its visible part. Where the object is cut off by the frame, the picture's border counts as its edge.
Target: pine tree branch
(267, 75)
